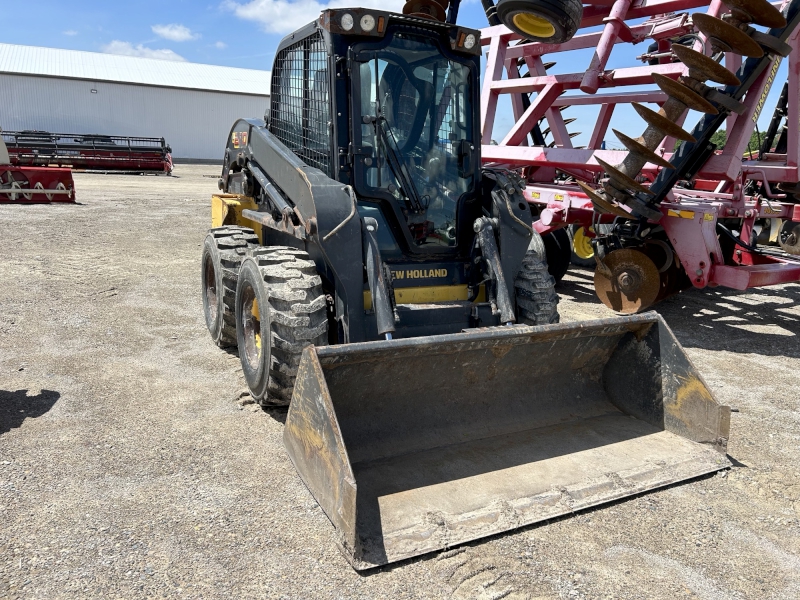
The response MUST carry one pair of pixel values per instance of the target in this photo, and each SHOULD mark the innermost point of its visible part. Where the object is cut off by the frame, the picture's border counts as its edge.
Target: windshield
(416, 130)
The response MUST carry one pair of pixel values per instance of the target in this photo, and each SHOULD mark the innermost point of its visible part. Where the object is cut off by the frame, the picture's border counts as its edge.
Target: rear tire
(536, 298)
(223, 252)
(280, 309)
(558, 247)
(550, 21)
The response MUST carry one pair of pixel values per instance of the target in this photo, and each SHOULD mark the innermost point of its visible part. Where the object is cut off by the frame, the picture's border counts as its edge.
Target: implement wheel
(582, 250)
(537, 301)
(223, 252)
(280, 309)
(551, 21)
(789, 237)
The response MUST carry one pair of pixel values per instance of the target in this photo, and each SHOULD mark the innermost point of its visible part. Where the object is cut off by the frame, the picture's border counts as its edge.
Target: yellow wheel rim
(582, 243)
(257, 319)
(533, 25)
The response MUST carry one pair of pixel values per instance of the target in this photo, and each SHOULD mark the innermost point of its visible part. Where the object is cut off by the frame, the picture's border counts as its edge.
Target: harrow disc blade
(601, 205)
(759, 12)
(726, 36)
(627, 281)
(635, 147)
(789, 237)
(621, 179)
(679, 91)
(662, 123)
(702, 67)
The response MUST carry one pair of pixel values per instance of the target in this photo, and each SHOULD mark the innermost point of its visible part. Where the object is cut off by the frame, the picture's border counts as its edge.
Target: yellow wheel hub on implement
(534, 25)
(582, 243)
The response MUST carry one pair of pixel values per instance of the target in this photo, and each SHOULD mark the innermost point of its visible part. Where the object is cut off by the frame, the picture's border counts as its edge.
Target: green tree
(756, 139)
(719, 138)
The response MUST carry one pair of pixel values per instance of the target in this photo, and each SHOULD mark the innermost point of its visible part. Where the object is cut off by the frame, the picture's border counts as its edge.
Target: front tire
(280, 309)
(536, 298)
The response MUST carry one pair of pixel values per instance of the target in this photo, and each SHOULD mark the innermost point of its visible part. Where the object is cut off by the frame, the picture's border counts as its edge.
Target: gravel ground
(129, 469)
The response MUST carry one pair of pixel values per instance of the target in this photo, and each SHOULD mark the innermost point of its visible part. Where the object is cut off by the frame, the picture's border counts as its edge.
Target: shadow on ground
(17, 406)
(762, 320)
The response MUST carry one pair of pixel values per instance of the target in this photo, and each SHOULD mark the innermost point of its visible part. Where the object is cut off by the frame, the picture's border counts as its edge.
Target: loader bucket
(419, 444)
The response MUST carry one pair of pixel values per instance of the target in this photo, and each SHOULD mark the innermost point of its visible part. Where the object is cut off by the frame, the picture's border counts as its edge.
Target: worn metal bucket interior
(419, 444)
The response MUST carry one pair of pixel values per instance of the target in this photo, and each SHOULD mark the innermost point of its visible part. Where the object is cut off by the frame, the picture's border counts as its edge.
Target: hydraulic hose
(736, 239)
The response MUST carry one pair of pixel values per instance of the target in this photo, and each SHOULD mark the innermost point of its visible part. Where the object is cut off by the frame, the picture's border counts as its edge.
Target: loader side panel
(653, 380)
(316, 448)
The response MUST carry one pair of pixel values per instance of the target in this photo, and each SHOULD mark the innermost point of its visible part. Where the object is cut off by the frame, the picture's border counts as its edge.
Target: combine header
(90, 152)
(661, 220)
(33, 185)
(357, 238)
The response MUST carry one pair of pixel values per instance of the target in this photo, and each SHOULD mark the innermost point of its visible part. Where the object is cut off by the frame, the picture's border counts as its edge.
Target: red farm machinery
(671, 211)
(33, 184)
(90, 152)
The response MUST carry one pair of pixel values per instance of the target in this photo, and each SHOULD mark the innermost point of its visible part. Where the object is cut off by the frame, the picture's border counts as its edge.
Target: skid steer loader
(370, 272)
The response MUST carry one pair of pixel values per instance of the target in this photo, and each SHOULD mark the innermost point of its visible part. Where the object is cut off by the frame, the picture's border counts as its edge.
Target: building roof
(96, 66)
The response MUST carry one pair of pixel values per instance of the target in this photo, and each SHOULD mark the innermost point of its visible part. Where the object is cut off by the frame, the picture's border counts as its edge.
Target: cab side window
(299, 107)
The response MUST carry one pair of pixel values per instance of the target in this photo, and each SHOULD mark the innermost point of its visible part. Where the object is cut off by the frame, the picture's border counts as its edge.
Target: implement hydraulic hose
(736, 240)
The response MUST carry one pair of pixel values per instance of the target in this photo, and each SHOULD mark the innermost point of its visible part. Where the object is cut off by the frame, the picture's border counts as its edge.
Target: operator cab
(398, 124)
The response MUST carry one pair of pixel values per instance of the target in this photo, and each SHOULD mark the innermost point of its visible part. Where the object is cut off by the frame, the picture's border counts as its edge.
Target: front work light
(367, 23)
(347, 21)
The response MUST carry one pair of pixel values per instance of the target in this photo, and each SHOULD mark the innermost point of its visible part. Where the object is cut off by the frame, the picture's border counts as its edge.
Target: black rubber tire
(575, 258)
(292, 314)
(564, 15)
(223, 252)
(536, 298)
(558, 247)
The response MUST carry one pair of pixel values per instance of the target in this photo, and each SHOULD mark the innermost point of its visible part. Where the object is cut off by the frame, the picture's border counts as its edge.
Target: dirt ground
(128, 469)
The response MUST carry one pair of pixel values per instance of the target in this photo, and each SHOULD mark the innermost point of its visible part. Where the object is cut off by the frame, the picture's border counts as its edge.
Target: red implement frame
(689, 216)
(35, 185)
(89, 152)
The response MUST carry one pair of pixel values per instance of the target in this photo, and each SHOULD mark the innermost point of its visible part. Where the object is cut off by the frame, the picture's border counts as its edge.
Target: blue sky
(244, 33)
(233, 33)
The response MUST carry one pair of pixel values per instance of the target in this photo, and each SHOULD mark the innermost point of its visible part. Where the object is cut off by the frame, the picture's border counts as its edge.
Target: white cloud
(70, 32)
(283, 16)
(220, 45)
(175, 32)
(128, 49)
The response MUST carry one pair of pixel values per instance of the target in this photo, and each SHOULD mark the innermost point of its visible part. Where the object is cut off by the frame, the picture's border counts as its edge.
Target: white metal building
(192, 106)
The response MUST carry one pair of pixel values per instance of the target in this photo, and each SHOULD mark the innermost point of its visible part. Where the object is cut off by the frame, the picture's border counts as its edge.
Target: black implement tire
(223, 252)
(558, 248)
(536, 298)
(530, 18)
(280, 309)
